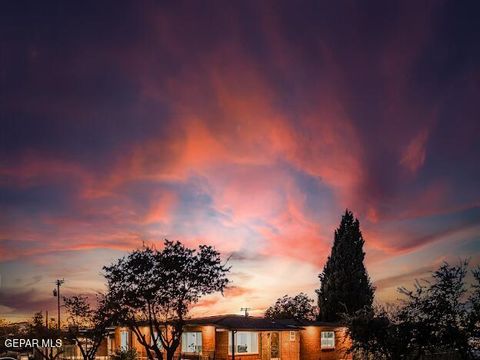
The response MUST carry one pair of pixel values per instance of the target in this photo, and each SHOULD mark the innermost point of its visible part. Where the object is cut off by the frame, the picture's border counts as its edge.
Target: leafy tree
(345, 286)
(38, 330)
(299, 307)
(158, 287)
(377, 334)
(37, 323)
(87, 325)
(436, 312)
(474, 316)
(435, 317)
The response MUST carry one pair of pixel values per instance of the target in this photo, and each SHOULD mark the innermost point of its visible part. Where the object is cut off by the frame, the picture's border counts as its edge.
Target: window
(156, 337)
(124, 339)
(109, 345)
(292, 335)
(246, 342)
(328, 340)
(192, 342)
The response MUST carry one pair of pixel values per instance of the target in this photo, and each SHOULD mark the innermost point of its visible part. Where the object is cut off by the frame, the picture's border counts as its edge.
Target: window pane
(245, 342)
(328, 340)
(192, 342)
(124, 340)
(156, 337)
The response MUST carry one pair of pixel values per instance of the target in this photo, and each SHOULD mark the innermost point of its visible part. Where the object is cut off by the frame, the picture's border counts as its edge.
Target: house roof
(253, 323)
(304, 323)
(241, 322)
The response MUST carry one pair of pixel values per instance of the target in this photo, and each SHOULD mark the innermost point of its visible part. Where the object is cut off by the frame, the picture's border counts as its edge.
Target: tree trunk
(158, 353)
(170, 354)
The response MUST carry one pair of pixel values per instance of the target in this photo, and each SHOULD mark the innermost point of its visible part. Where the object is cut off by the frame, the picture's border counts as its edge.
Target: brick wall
(222, 348)
(132, 340)
(290, 350)
(103, 349)
(222, 344)
(310, 344)
(306, 345)
(208, 339)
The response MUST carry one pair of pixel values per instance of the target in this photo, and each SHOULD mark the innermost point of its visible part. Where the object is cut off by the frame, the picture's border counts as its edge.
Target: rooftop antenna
(245, 309)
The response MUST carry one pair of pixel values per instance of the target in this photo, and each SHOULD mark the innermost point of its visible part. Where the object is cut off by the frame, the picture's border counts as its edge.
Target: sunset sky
(247, 125)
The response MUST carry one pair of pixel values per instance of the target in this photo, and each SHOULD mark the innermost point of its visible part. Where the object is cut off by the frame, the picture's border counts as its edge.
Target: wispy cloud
(253, 139)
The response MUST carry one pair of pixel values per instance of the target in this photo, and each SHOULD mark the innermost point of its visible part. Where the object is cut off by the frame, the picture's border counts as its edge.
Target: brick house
(323, 341)
(228, 337)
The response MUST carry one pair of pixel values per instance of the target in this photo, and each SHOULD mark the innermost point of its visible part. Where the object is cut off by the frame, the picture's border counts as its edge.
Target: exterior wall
(118, 331)
(306, 346)
(289, 350)
(141, 352)
(132, 340)
(265, 348)
(102, 349)
(111, 344)
(208, 341)
(221, 350)
(310, 344)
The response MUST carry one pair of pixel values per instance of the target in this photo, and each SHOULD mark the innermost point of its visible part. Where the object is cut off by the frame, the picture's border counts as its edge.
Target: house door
(275, 346)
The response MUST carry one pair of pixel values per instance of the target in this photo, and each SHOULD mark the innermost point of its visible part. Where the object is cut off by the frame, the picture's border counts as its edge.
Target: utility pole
(56, 292)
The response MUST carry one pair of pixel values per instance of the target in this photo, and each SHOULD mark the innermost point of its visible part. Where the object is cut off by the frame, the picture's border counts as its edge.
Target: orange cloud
(161, 209)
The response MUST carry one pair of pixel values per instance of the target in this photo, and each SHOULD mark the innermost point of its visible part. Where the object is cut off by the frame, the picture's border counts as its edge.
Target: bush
(130, 354)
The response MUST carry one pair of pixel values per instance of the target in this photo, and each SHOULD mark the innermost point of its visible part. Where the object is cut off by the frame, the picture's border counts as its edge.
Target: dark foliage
(345, 286)
(158, 287)
(38, 330)
(130, 354)
(474, 316)
(87, 325)
(436, 317)
(8, 330)
(299, 307)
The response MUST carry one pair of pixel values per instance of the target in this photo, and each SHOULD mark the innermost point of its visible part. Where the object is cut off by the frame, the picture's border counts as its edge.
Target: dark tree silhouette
(299, 307)
(38, 330)
(156, 288)
(376, 334)
(87, 325)
(474, 316)
(344, 283)
(435, 317)
(7, 331)
(436, 313)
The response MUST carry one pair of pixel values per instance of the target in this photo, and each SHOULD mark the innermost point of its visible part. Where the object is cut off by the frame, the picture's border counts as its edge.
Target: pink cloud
(413, 156)
(237, 139)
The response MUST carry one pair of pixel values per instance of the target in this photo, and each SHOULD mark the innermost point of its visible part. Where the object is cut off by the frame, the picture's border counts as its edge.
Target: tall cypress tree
(345, 286)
